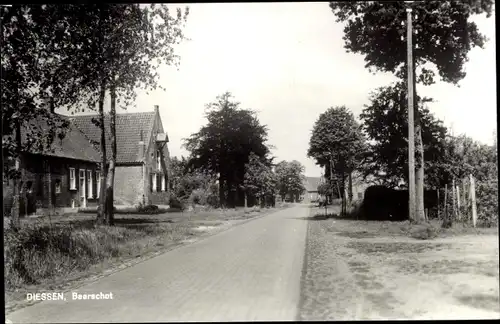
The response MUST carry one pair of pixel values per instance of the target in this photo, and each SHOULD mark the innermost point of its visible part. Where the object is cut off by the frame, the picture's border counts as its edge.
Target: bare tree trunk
(246, 201)
(16, 197)
(453, 197)
(101, 211)
(445, 202)
(350, 188)
(459, 204)
(110, 179)
(419, 147)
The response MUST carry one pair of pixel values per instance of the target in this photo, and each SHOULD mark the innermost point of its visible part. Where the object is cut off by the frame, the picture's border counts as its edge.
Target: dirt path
(355, 274)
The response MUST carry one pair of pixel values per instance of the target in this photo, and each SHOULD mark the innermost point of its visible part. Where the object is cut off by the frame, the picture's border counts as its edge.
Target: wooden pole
(473, 200)
(411, 129)
(453, 197)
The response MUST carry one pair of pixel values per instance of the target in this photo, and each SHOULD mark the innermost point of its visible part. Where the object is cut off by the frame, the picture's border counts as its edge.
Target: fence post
(438, 203)
(473, 200)
(453, 197)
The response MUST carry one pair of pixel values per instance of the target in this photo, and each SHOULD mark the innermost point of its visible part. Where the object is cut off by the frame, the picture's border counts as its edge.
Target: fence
(469, 201)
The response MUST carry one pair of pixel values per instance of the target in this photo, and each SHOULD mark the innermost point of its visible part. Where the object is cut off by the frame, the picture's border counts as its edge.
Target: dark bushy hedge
(383, 203)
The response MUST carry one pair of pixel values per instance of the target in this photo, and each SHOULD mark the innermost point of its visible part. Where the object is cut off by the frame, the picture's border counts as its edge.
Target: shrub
(150, 209)
(424, 231)
(487, 203)
(176, 203)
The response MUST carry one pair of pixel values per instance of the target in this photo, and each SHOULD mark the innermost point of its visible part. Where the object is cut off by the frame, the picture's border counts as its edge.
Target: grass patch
(481, 301)
(394, 247)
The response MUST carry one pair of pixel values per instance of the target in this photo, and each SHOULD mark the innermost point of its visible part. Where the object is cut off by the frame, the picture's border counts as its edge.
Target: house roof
(312, 183)
(128, 133)
(74, 145)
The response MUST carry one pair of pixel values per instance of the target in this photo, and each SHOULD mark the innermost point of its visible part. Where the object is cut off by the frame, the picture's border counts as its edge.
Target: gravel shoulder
(358, 272)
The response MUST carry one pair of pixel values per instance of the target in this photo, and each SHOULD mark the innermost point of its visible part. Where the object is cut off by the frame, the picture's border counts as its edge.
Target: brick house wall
(47, 178)
(129, 184)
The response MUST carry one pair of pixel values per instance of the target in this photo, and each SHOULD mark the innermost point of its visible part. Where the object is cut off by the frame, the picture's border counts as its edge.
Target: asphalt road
(249, 273)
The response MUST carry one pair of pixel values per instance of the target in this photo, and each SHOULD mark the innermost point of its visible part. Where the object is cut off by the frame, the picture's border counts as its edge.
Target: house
(142, 158)
(66, 174)
(311, 184)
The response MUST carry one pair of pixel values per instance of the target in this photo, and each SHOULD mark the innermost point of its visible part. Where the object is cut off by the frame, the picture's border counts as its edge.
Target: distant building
(311, 185)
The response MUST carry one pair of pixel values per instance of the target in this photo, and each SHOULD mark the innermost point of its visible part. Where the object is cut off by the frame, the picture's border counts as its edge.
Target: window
(82, 183)
(90, 184)
(72, 179)
(98, 180)
(153, 185)
(158, 160)
(162, 182)
(58, 186)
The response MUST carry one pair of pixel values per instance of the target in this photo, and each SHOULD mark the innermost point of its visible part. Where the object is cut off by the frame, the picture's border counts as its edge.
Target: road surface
(249, 273)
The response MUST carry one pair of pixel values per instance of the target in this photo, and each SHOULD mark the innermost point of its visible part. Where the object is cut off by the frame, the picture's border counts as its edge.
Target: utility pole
(411, 126)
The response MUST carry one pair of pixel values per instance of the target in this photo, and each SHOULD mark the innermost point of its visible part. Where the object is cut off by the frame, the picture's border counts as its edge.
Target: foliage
(336, 134)
(386, 124)
(290, 177)
(259, 179)
(147, 208)
(487, 202)
(325, 189)
(222, 147)
(175, 202)
(445, 34)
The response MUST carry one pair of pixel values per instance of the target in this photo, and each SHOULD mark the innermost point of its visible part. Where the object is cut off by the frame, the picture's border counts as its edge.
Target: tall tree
(385, 123)
(443, 32)
(259, 180)
(337, 143)
(290, 177)
(224, 144)
(38, 75)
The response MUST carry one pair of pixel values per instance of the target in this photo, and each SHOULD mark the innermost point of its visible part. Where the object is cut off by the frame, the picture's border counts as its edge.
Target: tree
(259, 180)
(384, 121)
(38, 75)
(290, 176)
(444, 36)
(224, 144)
(337, 143)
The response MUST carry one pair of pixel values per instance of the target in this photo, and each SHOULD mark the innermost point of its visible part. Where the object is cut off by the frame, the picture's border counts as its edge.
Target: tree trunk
(459, 212)
(221, 191)
(445, 202)
(110, 179)
(101, 211)
(17, 185)
(246, 202)
(419, 170)
(350, 188)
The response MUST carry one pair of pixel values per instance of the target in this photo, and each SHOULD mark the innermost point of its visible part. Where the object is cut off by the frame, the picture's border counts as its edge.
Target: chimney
(157, 109)
(142, 147)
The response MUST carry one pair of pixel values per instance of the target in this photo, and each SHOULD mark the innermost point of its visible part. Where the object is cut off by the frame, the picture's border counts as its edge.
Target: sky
(287, 62)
